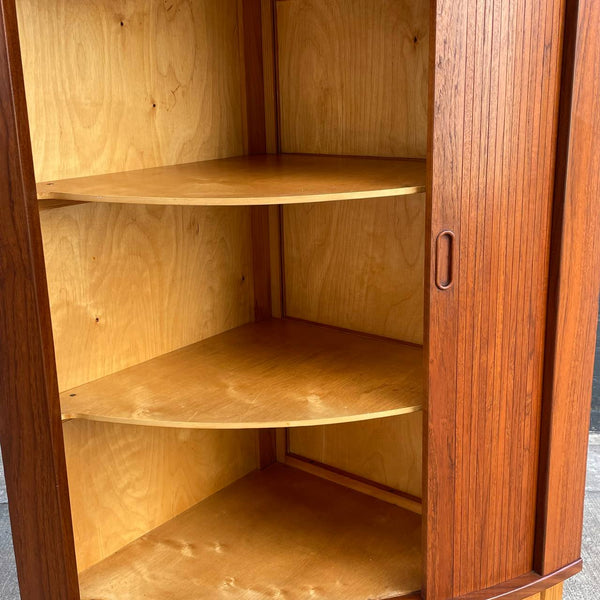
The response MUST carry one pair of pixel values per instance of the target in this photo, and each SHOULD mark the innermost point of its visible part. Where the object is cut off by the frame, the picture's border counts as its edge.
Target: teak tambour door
(495, 99)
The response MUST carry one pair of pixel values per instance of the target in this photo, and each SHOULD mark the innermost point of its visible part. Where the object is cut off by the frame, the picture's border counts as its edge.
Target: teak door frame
(30, 425)
(573, 294)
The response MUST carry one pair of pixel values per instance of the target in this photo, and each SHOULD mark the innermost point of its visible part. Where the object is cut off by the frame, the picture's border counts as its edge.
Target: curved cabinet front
(495, 100)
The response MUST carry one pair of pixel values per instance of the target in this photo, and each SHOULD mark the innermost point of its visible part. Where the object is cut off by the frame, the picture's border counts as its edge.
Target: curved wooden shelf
(277, 531)
(246, 180)
(278, 373)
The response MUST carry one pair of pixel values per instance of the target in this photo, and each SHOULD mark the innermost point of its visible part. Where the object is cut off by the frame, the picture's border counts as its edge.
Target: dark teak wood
(493, 116)
(255, 93)
(525, 586)
(572, 301)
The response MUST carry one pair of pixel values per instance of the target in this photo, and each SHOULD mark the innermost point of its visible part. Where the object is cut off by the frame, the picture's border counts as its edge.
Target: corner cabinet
(297, 297)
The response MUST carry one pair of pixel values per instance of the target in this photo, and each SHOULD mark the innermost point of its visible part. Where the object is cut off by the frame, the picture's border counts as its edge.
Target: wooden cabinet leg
(553, 593)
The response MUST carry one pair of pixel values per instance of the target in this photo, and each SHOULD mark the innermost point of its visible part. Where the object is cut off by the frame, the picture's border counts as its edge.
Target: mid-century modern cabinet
(297, 296)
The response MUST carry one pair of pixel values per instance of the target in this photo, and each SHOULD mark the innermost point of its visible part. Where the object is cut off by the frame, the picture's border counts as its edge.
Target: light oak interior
(278, 373)
(126, 480)
(357, 265)
(279, 532)
(353, 76)
(140, 108)
(128, 283)
(374, 450)
(254, 180)
(353, 80)
(116, 87)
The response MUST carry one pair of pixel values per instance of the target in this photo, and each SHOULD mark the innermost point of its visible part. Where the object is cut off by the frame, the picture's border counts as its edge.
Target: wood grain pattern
(533, 582)
(574, 289)
(353, 76)
(493, 123)
(260, 179)
(126, 480)
(192, 272)
(309, 538)
(357, 265)
(128, 283)
(353, 482)
(387, 451)
(30, 429)
(153, 103)
(134, 85)
(554, 593)
(278, 373)
(522, 587)
(493, 114)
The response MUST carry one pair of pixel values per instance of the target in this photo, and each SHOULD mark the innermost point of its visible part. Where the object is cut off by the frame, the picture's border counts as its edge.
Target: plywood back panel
(128, 283)
(387, 451)
(126, 479)
(353, 76)
(114, 86)
(357, 265)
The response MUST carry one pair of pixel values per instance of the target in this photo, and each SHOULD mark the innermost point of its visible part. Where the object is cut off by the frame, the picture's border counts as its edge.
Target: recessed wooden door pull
(444, 261)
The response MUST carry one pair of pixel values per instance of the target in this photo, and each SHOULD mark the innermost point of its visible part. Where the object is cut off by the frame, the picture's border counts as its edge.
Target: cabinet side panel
(129, 85)
(129, 479)
(573, 307)
(493, 126)
(128, 283)
(30, 428)
(353, 76)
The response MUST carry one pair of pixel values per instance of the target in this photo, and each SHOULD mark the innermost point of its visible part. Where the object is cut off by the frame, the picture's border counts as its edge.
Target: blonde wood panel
(128, 283)
(278, 533)
(357, 265)
(113, 86)
(554, 593)
(387, 451)
(277, 373)
(353, 76)
(259, 179)
(126, 480)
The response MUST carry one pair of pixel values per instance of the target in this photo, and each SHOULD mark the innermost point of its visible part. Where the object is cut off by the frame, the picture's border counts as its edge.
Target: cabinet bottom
(274, 533)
